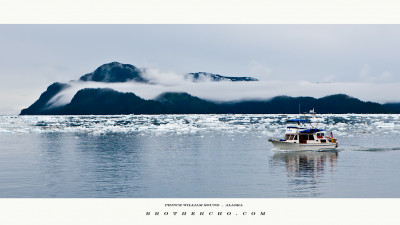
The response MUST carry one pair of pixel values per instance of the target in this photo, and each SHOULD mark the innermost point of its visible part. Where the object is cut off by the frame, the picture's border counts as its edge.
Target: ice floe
(267, 125)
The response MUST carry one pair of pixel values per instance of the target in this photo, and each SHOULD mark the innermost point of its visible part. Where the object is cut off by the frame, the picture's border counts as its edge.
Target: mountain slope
(107, 102)
(118, 72)
(393, 107)
(203, 76)
(115, 72)
(339, 104)
(184, 103)
(103, 101)
(41, 107)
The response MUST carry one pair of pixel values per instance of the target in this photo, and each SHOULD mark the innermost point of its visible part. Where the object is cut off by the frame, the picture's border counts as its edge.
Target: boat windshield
(291, 137)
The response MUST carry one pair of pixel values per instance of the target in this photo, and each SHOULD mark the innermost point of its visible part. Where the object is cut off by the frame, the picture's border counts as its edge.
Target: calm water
(194, 156)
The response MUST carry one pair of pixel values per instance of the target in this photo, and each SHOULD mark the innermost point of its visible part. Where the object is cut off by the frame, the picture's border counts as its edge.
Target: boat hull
(303, 147)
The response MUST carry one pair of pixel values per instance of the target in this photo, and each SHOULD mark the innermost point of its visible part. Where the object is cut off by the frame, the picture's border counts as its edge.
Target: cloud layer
(234, 91)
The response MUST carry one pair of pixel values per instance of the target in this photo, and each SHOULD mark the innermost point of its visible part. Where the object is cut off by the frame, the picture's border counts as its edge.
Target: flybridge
(311, 130)
(296, 121)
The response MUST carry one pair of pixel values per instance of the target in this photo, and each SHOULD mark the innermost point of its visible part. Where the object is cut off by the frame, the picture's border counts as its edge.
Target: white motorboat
(301, 139)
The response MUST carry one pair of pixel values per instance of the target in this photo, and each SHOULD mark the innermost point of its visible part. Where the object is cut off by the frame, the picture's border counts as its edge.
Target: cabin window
(310, 137)
(290, 137)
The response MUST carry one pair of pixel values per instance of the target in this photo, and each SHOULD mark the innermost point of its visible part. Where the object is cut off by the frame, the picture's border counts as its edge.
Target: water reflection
(89, 166)
(305, 170)
(112, 164)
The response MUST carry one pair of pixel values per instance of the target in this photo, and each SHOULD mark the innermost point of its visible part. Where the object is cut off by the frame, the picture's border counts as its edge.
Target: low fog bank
(236, 91)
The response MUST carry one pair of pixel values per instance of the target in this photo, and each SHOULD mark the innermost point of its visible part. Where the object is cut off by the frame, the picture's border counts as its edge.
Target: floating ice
(266, 125)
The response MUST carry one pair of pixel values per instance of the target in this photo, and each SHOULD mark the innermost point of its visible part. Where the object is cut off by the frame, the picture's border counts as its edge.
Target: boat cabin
(306, 136)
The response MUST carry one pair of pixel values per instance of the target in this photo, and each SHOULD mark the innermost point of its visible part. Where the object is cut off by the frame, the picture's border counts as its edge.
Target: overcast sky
(360, 60)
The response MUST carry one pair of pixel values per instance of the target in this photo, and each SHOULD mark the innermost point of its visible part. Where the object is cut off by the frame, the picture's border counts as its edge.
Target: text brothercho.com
(238, 210)
(205, 213)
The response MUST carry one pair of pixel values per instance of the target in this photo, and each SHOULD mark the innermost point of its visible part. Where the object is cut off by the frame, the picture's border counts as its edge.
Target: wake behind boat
(301, 139)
